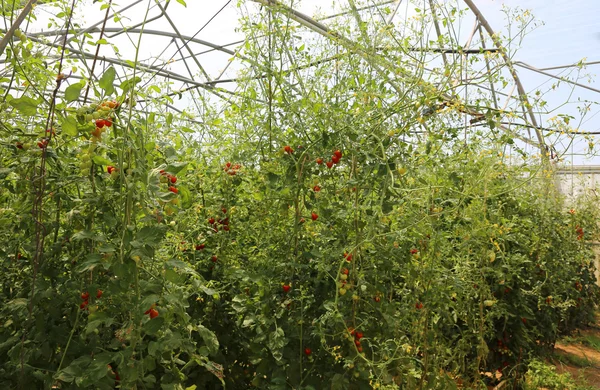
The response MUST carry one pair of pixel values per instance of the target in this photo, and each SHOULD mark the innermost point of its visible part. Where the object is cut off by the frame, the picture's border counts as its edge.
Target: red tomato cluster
(232, 170)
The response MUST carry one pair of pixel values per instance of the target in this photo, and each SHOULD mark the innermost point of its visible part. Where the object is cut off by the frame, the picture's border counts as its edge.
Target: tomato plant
(415, 257)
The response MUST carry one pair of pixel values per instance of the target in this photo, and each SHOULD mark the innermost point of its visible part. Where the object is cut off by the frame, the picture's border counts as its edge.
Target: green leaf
(186, 197)
(92, 261)
(99, 160)
(25, 105)
(211, 341)
(175, 167)
(128, 84)
(69, 126)
(72, 92)
(151, 235)
(182, 3)
(154, 325)
(107, 79)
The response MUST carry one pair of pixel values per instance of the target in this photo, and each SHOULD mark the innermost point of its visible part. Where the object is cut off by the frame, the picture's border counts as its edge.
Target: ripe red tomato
(200, 247)
(335, 159)
(224, 210)
(173, 179)
(211, 221)
(288, 149)
(338, 154)
(419, 305)
(286, 288)
(85, 295)
(100, 123)
(358, 335)
(307, 351)
(314, 216)
(329, 164)
(319, 161)
(214, 259)
(83, 305)
(173, 190)
(153, 313)
(316, 188)
(99, 294)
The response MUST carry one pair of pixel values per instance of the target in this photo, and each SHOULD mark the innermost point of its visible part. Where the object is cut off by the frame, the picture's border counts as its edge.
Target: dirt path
(579, 355)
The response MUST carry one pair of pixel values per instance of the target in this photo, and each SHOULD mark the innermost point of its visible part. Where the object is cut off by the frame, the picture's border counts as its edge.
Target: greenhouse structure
(299, 194)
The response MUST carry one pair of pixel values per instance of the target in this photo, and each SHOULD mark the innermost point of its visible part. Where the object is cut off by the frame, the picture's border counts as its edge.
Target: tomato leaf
(69, 126)
(25, 105)
(72, 92)
(107, 79)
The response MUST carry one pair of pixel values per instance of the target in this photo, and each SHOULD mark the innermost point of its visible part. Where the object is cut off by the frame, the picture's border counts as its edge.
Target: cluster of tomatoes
(103, 118)
(580, 233)
(343, 282)
(335, 159)
(224, 222)
(166, 177)
(357, 337)
(232, 170)
(85, 296)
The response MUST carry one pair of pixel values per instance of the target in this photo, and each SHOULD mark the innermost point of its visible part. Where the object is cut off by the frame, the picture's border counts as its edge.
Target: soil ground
(579, 355)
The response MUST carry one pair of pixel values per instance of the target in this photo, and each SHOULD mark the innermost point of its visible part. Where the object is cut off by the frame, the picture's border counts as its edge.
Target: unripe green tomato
(343, 276)
(26, 146)
(114, 174)
(23, 38)
(18, 33)
(89, 117)
(96, 115)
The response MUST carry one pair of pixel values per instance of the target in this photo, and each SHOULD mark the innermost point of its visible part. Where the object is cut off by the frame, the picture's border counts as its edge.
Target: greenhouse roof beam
(534, 69)
(184, 40)
(11, 31)
(325, 31)
(136, 31)
(162, 73)
(95, 25)
(507, 60)
(360, 9)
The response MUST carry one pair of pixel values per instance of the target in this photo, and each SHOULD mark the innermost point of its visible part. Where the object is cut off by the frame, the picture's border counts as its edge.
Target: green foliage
(543, 376)
(410, 257)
